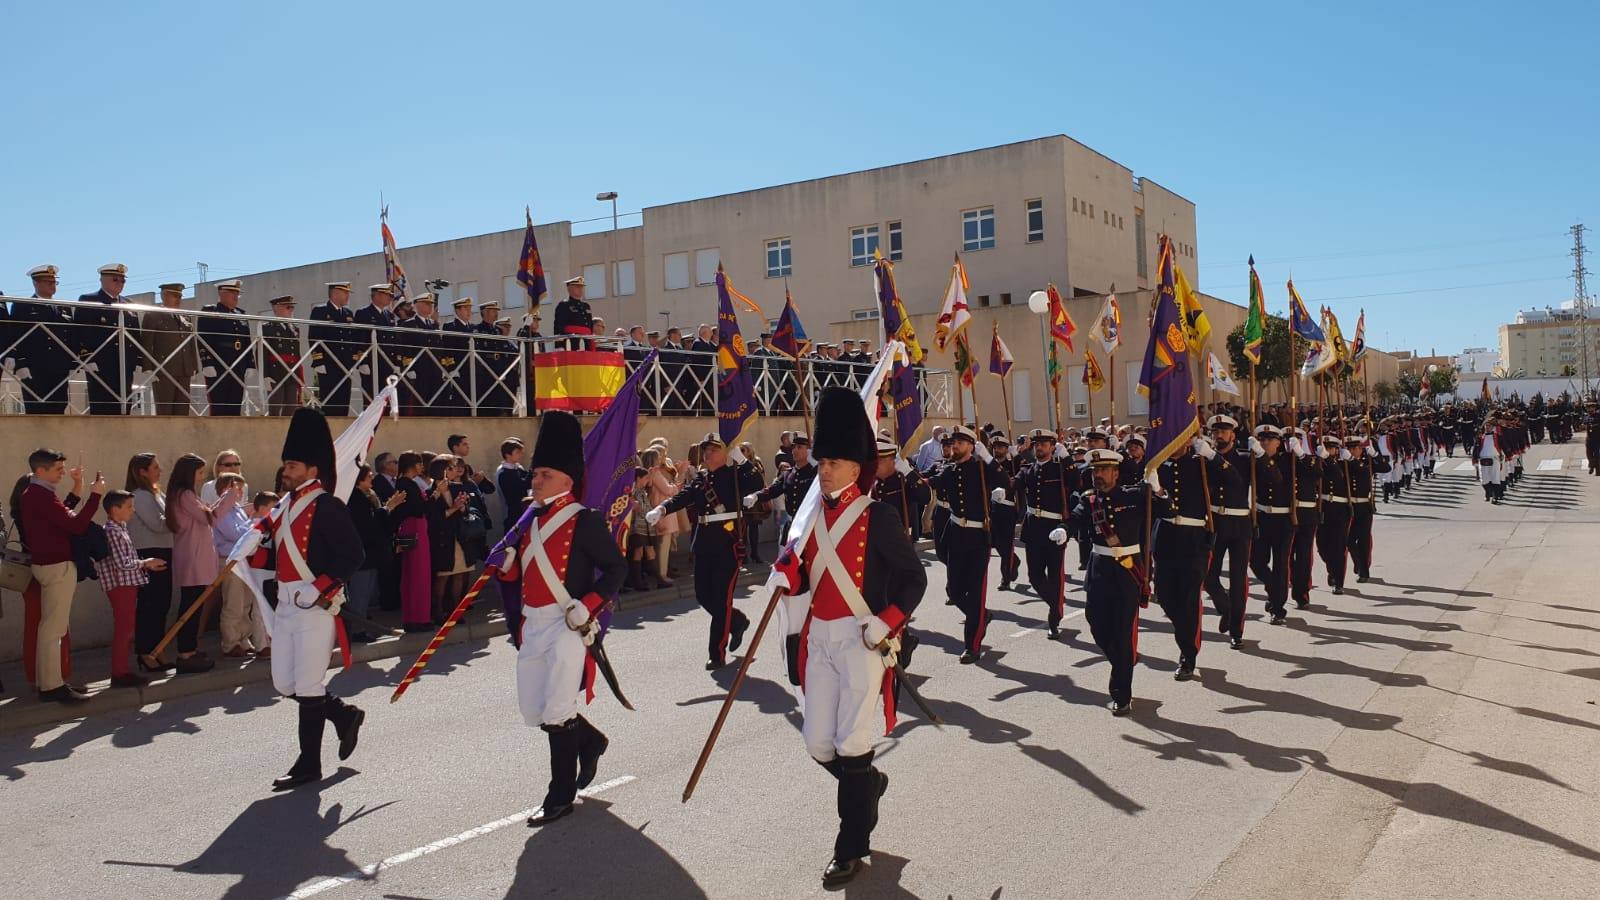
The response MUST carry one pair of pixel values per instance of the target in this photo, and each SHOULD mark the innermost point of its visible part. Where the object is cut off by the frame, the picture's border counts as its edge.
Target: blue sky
(1381, 153)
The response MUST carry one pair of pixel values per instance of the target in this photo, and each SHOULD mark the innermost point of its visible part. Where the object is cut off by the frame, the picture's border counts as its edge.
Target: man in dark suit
(46, 351)
(497, 359)
(379, 313)
(225, 356)
(419, 351)
(335, 349)
(702, 363)
(455, 360)
(106, 350)
(573, 315)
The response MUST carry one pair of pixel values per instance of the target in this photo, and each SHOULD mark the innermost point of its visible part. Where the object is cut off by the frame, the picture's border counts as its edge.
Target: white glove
(1062, 452)
(749, 501)
(577, 616)
(1153, 477)
(23, 374)
(1322, 451)
(365, 370)
(1059, 535)
(654, 515)
(1204, 448)
(1297, 447)
(901, 466)
(873, 631)
(983, 453)
(209, 371)
(320, 370)
(1255, 447)
(736, 456)
(997, 494)
(1372, 452)
(1344, 455)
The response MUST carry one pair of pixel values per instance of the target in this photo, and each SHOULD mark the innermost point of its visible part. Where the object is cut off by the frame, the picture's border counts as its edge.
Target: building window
(897, 246)
(780, 259)
(983, 299)
(977, 229)
(1119, 223)
(1091, 210)
(515, 295)
(675, 270)
(1138, 245)
(863, 241)
(625, 282)
(1074, 204)
(861, 314)
(1005, 299)
(705, 265)
(594, 281)
(1035, 221)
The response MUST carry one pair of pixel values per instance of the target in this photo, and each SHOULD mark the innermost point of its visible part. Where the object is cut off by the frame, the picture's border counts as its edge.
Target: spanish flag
(577, 380)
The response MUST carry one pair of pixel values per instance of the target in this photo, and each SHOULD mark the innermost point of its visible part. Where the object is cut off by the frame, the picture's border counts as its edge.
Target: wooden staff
(438, 638)
(803, 370)
(1255, 396)
(733, 691)
(1111, 363)
(1294, 416)
(1005, 397)
(194, 608)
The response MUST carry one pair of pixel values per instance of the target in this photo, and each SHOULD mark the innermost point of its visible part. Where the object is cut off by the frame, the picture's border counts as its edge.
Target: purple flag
(736, 390)
(1165, 378)
(907, 400)
(608, 454)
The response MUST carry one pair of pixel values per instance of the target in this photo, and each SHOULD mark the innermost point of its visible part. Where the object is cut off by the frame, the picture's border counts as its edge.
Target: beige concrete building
(1546, 342)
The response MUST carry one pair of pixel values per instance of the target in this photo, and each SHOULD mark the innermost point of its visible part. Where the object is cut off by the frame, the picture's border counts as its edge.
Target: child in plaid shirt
(121, 574)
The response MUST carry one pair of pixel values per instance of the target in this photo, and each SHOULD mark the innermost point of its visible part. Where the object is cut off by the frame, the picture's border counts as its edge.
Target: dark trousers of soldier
(1231, 548)
(714, 575)
(108, 387)
(968, 566)
(452, 400)
(1003, 526)
(1085, 547)
(333, 388)
(1182, 553)
(1591, 448)
(1361, 539)
(1303, 550)
(225, 392)
(494, 395)
(941, 522)
(1044, 573)
(859, 784)
(1113, 614)
(916, 519)
(45, 391)
(1333, 537)
(1269, 554)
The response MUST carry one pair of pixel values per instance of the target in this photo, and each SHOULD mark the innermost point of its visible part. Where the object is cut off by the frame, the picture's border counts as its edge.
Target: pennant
(1196, 327)
(789, 337)
(608, 454)
(749, 305)
(1255, 323)
(954, 316)
(1092, 374)
(392, 272)
(1220, 381)
(896, 323)
(1165, 377)
(530, 267)
(1000, 360)
(1108, 328)
(1485, 394)
(905, 397)
(1358, 347)
(1330, 327)
(736, 389)
(964, 361)
(1319, 358)
(1300, 320)
(1062, 328)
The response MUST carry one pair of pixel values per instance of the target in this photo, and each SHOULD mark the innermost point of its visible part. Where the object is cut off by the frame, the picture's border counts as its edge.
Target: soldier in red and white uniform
(312, 548)
(569, 567)
(863, 580)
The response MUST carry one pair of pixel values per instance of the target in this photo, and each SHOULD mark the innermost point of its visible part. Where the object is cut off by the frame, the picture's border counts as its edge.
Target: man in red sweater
(50, 527)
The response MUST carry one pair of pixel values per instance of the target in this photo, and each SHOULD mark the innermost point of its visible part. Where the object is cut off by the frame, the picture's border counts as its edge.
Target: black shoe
(195, 663)
(1185, 672)
(417, 627)
(1363, 579)
(1338, 589)
(1005, 585)
(158, 667)
(63, 695)
(1055, 633)
(1120, 709)
(714, 664)
(589, 761)
(295, 779)
(736, 633)
(1236, 643)
(129, 680)
(543, 816)
(361, 637)
(840, 871)
(1302, 604)
(968, 658)
(1277, 619)
(349, 729)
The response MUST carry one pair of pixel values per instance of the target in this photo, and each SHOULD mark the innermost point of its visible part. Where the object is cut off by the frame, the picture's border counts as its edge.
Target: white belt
(1306, 504)
(1004, 502)
(1229, 511)
(966, 523)
(718, 517)
(1186, 520)
(1366, 499)
(1271, 509)
(941, 504)
(1045, 514)
(1330, 498)
(1115, 552)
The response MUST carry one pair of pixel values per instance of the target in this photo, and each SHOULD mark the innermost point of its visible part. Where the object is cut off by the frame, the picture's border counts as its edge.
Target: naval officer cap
(576, 279)
(998, 438)
(113, 269)
(385, 288)
(963, 433)
(800, 437)
(285, 300)
(492, 304)
(171, 287)
(424, 297)
(338, 286)
(887, 448)
(1102, 457)
(712, 439)
(460, 302)
(1095, 434)
(1221, 421)
(1268, 431)
(44, 271)
(231, 284)
(1135, 439)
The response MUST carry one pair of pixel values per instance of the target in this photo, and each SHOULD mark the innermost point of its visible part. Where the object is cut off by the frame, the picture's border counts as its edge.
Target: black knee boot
(592, 744)
(563, 789)
(860, 786)
(346, 721)
(308, 765)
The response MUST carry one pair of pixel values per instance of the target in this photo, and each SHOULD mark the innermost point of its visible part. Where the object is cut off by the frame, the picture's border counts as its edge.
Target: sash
(826, 538)
(290, 548)
(534, 553)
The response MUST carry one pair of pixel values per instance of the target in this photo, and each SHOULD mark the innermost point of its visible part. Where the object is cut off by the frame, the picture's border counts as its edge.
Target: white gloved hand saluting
(1297, 447)
(1204, 448)
(982, 452)
(736, 456)
(1322, 451)
(654, 515)
(1059, 535)
(1255, 447)
(1372, 451)
(997, 494)
(874, 631)
(901, 466)
(1344, 455)
(749, 500)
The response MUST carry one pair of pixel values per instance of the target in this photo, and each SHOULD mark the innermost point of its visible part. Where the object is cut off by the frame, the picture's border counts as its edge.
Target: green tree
(1274, 364)
(1385, 392)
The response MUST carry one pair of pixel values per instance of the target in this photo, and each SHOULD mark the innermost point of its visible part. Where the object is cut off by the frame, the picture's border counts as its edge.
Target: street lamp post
(611, 263)
(1039, 303)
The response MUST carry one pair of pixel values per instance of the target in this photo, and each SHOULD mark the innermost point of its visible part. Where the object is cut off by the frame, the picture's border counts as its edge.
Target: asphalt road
(1430, 733)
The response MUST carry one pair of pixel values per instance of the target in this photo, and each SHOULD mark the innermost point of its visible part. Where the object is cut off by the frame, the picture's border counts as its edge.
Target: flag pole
(803, 367)
(1294, 421)
(1255, 394)
(1111, 362)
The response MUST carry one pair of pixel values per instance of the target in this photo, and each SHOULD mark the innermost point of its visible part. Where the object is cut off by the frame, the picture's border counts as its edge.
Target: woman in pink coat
(194, 557)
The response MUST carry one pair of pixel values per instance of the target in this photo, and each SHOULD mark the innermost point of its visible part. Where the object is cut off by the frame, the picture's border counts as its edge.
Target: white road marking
(366, 872)
(1465, 466)
(1550, 465)
(1027, 631)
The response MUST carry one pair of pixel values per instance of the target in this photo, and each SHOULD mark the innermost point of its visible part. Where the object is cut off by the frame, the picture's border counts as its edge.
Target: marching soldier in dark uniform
(108, 355)
(418, 352)
(1120, 568)
(378, 313)
(1133, 459)
(455, 359)
(1042, 487)
(1228, 472)
(1333, 534)
(1591, 438)
(225, 351)
(497, 360)
(940, 517)
(335, 350)
(282, 359)
(1269, 557)
(1003, 511)
(713, 499)
(47, 346)
(573, 315)
(897, 481)
(965, 482)
(792, 485)
(1308, 516)
(1183, 549)
(1082, 481)
(864, 581)
(1365, 465)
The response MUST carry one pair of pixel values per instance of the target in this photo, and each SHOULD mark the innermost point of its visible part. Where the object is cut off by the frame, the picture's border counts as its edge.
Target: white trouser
(1489, 474)
(549, 667)
(302, 641)
(844, 687)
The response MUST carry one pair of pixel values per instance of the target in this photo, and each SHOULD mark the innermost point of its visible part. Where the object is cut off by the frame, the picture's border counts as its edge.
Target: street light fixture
(612, 196)
(1039, 303)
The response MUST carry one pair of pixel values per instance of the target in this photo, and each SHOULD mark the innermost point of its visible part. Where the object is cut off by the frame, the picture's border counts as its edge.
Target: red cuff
(593, 602)
(324, 584)
(893, 617)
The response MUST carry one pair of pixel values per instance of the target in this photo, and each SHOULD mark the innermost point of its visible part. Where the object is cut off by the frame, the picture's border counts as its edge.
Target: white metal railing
(71, 357)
